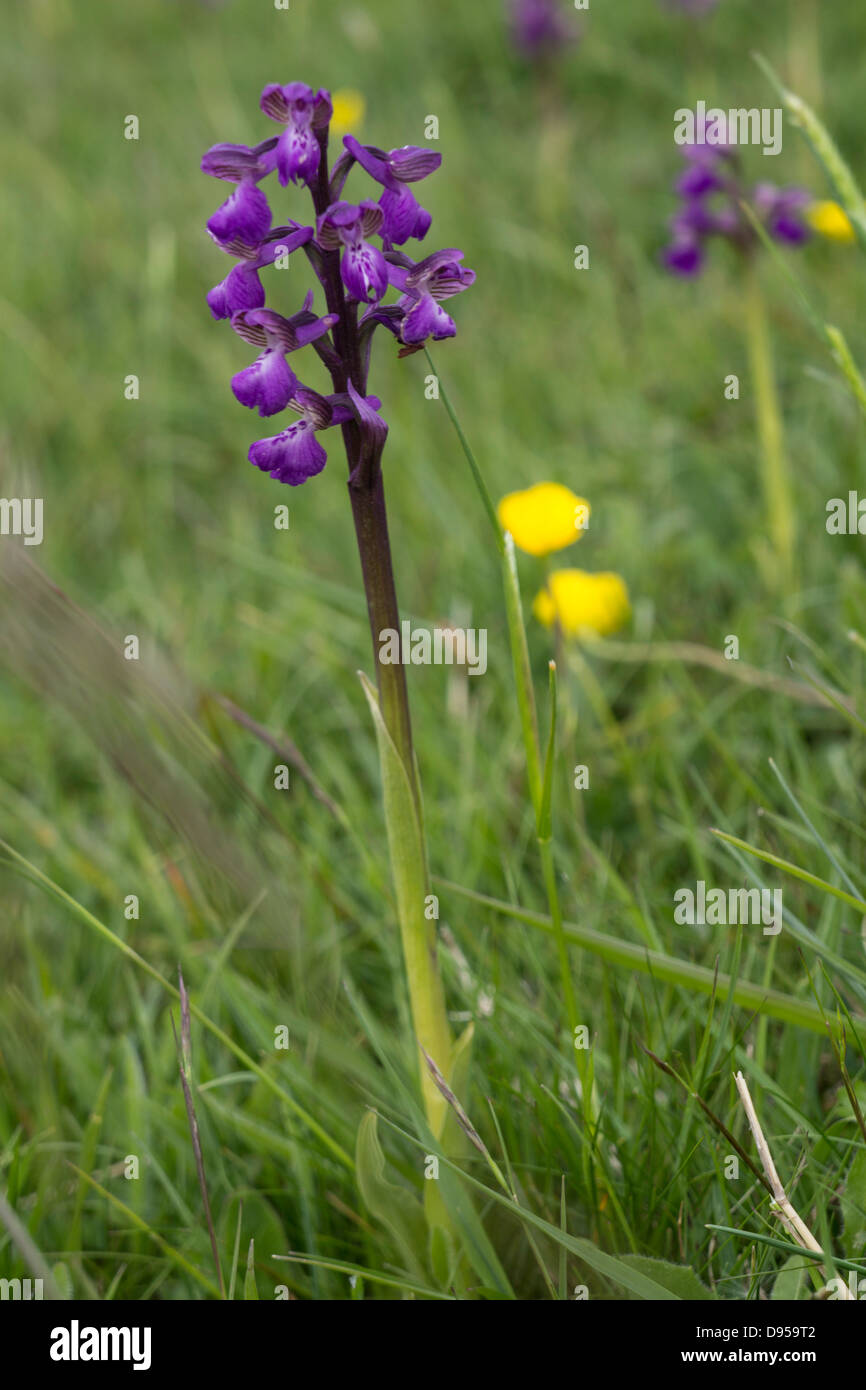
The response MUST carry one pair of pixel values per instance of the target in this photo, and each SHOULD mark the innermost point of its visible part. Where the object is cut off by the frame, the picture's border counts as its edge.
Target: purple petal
(266, 328)
(323, 109)
(391, 315)
(412, 162)
(241, 289)
(364, 271)
(446, 260)
(398, 276)
(287, 103)
(789, 229)
(425, 320)
(367, 416)
(269, 383)
(231, 162)
(372, 217)
(336, 224)
(245, 216)
(316, 409)
(684, 257)
(698, 180)
(375, 161)
(451, 280)
(404, 215)
(282, 241)
(292, 456)
(297, 155)
(344, 409)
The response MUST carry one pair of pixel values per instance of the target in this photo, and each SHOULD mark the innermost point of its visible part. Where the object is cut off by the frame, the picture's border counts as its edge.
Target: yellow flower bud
(830, 220)
(581, 601)
(349, 107)
(544, 518)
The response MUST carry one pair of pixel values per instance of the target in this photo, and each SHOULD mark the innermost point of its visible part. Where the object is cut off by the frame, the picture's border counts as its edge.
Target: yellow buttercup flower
(349, 108)
(544, 518)
(580, 601)
(832, 221)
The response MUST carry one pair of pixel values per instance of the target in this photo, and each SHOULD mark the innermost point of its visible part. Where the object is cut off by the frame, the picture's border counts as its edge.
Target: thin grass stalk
(775, 477)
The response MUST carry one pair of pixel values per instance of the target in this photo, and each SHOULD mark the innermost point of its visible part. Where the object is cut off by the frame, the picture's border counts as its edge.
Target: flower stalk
(354, 274)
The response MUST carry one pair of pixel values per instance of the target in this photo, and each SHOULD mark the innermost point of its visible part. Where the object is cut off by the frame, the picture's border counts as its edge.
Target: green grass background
(118, 782)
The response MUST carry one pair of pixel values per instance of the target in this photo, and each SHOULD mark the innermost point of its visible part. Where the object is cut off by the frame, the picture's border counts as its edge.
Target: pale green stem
(774, 464)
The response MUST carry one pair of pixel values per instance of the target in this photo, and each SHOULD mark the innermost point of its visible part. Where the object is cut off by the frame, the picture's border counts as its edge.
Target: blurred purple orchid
(711, 190)
(539, 28)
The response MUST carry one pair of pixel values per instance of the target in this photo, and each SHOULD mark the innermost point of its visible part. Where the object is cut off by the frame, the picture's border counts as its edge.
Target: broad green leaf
(792, 1282)
(418, 935)
(390, 1205)
(680, 1280)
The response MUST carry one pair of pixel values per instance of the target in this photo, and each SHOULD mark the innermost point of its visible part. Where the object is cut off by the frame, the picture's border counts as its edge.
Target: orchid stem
(408, 853)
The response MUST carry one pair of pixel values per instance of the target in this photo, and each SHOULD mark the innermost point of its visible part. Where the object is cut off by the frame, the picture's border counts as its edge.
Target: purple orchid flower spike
(363, 267)
(303, 112)
(242, 288)
(269, 383)
(350, 266)
(712, 192)
(295, 454)
(423, 286)
(540, 27)
(246, 215)
(395, 170)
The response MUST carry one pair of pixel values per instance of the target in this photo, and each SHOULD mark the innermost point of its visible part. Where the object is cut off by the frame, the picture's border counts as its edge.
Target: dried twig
(281, 745)
(791, 1220)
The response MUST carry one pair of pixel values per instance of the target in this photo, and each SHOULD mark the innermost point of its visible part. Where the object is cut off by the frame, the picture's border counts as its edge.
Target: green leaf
(793, 869)
(522, 672)
(630, 956)
(453, 1136)
(792, 1282)
(250, 1290)
(418, 934)
(63, 1279)
(610, 1266)
(373, 1276)
(390, 1205)
(545, 816)
(680, 1280)
(853, 1203)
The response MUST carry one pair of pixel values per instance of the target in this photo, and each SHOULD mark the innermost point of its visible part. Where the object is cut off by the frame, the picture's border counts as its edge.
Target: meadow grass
(278, 905)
